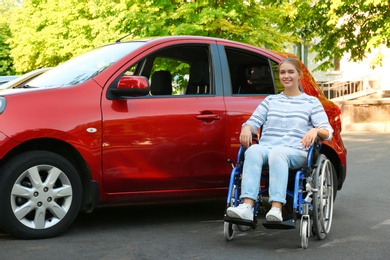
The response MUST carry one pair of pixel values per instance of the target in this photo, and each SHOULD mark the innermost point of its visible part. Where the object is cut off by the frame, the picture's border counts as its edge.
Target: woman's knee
(293, 157)
(278, 153)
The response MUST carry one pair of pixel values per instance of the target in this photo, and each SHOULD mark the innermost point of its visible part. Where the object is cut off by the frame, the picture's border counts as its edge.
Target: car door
(252, 77)
(174, 138)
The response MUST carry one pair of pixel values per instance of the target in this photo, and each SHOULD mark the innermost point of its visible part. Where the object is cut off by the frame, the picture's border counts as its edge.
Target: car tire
(40, 195)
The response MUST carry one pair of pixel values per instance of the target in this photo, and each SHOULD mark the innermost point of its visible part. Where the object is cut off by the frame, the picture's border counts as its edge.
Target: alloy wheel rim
(41, 196)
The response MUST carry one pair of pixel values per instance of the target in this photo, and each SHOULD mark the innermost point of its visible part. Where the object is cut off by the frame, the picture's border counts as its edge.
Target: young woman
(291, 121)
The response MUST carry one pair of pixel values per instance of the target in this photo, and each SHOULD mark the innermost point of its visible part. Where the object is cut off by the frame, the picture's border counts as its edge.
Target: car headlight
(3, 104)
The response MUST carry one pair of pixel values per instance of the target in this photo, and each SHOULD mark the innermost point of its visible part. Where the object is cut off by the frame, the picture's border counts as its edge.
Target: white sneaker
(243, 211)
(274, 215)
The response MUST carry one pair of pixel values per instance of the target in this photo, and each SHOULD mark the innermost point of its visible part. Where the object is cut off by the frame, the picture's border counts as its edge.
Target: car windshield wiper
(25, 86)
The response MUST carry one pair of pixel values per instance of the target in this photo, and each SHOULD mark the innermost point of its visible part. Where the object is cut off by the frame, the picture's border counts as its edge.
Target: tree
(353, 27)
(5, 60)
(245, 21)
(6, 63)
(48, 32)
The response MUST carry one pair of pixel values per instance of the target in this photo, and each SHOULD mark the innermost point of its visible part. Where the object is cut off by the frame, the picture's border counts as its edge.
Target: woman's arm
(309, 138)
(323, 133)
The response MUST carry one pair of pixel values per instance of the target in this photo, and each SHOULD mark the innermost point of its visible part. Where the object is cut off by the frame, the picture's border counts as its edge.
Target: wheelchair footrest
(239, 221)
(287, 224)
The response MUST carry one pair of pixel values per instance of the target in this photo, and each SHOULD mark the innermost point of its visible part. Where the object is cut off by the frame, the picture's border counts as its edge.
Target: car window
(177, 70)
(250, 73)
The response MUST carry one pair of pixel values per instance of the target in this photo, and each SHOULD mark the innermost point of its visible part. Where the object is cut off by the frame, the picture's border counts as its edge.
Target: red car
(144, 121)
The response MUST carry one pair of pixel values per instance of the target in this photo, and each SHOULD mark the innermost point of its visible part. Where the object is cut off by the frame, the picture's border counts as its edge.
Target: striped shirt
(286, 120)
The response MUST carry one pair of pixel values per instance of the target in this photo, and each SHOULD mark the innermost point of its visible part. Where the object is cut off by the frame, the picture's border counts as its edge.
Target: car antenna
(120, 39)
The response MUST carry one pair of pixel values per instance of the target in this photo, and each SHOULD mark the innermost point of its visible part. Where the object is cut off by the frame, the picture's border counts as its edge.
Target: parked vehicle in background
(4, 79)
(23, 80)
(109, 128)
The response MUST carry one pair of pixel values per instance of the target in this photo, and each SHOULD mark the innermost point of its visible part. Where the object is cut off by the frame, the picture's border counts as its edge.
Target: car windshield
(85, 66)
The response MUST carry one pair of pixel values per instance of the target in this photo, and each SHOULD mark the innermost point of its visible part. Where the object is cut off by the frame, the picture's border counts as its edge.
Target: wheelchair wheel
(243, 228)
(228, 228)
(323, 199)
(228, 231)
(305, 233)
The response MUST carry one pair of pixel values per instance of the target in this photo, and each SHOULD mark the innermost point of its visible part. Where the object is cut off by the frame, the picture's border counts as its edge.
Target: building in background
(347, 71)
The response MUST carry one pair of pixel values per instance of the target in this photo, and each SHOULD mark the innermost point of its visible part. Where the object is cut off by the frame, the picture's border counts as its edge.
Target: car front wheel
(40, 195)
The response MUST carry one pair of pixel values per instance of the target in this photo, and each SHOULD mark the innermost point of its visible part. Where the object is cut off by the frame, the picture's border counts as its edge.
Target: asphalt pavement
(360, 228)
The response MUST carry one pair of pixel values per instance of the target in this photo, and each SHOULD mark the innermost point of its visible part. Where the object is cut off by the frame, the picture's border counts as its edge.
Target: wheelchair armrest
(255, 138)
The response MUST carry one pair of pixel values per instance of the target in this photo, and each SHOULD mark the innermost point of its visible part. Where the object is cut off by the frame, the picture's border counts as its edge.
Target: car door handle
(208, 117)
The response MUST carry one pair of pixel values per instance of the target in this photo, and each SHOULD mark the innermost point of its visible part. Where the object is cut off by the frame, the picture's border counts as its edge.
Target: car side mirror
(133, 86)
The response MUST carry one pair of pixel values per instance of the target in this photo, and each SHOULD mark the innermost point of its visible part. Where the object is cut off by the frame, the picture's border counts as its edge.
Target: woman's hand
(309, 137)
(246, 136)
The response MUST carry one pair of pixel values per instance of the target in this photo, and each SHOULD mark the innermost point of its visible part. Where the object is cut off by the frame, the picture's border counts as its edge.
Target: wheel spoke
(40, 218)
(63, 192)
(35, 178)
(22, 211)
(21, 191)
(53, 176)
(58, 211)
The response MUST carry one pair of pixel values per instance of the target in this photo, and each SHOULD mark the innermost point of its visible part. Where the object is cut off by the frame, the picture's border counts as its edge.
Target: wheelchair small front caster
(228, 231)
(305, 231)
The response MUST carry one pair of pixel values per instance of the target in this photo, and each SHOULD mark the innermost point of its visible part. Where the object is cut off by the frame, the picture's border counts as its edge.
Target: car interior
(186, 70)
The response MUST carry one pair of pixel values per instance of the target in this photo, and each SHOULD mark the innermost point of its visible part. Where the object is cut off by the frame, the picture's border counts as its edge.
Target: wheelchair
(310, 198)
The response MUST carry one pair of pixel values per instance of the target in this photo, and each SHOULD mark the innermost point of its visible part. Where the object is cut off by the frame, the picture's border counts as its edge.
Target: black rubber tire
(335, 182)
(44, 209)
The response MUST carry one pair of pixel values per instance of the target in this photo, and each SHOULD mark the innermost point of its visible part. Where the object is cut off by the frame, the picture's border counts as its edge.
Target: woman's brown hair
(293, 61)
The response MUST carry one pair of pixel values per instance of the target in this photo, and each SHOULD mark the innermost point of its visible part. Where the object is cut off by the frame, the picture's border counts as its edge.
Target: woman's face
(289, 76)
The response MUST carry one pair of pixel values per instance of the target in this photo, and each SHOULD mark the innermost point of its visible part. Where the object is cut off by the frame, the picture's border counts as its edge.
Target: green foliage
(177, 68)
(353, 27)
(6, 62)
(48, 32)
(40, 33)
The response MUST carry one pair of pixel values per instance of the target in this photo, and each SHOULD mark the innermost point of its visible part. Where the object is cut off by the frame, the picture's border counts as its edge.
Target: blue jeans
(279, 159)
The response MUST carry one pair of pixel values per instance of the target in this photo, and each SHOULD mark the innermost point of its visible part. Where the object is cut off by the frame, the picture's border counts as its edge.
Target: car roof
(182, 38)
